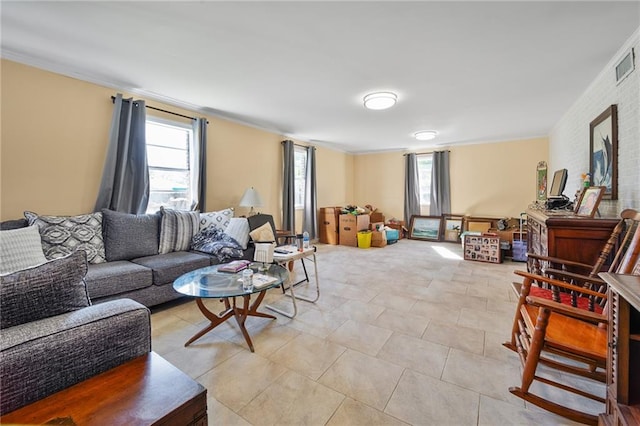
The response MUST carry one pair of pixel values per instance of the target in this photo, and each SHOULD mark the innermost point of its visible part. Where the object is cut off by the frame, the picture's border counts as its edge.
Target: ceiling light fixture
(425, 135)
(380, 100)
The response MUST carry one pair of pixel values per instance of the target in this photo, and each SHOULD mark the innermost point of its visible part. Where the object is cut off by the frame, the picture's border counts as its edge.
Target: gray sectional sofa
(131, 265)
(52, 337)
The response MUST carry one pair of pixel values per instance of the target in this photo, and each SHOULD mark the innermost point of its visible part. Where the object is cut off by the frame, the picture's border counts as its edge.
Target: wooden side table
(147, 390)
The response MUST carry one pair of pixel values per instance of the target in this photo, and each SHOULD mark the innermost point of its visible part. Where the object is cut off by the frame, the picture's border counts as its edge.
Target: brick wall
(569, 139)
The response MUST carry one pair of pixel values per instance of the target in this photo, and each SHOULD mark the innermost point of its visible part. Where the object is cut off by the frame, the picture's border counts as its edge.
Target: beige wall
(54, 132)
(54, 138)
(497, 179)
(493, 179)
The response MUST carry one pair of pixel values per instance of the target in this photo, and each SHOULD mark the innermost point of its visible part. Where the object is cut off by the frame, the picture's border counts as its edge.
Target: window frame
(303, 178)
(189, 152)
(421, 182)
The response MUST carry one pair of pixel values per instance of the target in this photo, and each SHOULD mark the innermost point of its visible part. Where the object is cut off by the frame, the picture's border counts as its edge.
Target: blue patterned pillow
(214, 241)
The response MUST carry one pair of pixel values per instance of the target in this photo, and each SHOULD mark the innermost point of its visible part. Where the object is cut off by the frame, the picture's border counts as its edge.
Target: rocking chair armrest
(560, 261)
(569, 311)
(533, 277)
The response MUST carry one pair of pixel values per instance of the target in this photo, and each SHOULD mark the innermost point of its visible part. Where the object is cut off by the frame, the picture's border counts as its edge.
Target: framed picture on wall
(425, 228)
(603, 152)
(589, 200)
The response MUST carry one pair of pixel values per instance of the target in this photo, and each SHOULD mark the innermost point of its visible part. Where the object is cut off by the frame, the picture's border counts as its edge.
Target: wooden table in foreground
(623, 364)
(147, 390)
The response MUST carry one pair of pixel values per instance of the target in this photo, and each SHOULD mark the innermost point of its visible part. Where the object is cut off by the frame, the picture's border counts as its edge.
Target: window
(300, 175)
(424, 178)
(170, 160)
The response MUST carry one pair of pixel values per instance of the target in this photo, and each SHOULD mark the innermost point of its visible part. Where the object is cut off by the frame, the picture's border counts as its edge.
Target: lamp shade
(251, 198)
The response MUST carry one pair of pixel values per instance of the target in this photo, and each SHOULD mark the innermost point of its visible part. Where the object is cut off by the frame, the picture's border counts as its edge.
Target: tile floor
(406, 334)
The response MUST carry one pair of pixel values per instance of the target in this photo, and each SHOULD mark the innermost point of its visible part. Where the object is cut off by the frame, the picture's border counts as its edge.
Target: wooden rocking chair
(567, 334)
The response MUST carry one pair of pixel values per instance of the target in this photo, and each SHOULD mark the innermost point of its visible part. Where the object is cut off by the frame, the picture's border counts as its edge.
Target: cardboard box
(349, 227)
(378, 239)
(376, 226)
(376, 216)
(328, 225)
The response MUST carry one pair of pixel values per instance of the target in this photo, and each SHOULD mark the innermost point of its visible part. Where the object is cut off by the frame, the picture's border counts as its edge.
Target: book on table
(262, 280)
(234, 266)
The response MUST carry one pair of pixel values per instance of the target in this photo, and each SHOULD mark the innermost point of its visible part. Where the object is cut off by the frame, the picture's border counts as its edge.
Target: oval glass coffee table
(208, 283)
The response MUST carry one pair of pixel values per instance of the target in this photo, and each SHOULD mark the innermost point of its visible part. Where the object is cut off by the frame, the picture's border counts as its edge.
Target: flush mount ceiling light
(425, 135)
(380, 100)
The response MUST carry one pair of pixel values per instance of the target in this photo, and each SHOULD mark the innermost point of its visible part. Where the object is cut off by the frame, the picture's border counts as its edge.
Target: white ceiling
(474, 71)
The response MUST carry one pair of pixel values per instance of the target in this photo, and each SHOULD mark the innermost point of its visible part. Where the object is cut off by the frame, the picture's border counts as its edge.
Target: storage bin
(392, 236)
(364, 239)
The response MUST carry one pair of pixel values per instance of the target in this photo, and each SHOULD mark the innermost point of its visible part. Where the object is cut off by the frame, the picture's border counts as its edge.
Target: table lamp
(252, 199)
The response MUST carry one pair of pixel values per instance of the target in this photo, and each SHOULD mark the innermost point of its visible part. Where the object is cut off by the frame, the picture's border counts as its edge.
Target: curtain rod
(422, 153)
(113, 99)
(302, 146)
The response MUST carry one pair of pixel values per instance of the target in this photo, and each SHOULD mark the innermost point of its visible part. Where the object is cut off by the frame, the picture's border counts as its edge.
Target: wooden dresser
(567, 236)
(623, 368)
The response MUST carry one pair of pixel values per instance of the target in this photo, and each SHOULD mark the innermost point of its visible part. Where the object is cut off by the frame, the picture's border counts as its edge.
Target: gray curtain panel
(125, 177)
(288, 187)
(310, 219)
(199, 175)
(440, 184)
(411, 188)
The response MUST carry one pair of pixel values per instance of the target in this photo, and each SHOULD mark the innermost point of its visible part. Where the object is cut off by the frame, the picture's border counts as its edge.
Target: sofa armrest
(42, 357)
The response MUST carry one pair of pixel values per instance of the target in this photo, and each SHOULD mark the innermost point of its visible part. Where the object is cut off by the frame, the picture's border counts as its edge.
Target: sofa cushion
(13, 224)
(43, 357)
(62, 235)
(238, 229)
(167, 267)
(219, 219)
(20, 249)
(43, 291)
(215, 241)
(176, 229)
(127, 236)
(121, 276)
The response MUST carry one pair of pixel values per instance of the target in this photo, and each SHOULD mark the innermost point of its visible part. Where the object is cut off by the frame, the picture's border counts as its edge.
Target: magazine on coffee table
(262, 280)
(234, 266)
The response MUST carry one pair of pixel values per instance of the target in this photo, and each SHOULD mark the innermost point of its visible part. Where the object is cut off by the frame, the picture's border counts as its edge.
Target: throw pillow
(214, 241)
(20, 249)
(62, 235)
(177, 228)
(53, 288)
(127, 236)
(220, 219)
(238, 229)
(263, 233)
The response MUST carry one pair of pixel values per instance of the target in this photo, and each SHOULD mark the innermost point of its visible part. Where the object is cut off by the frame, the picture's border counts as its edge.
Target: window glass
(168, 157)
(300, 174)
(424, 178)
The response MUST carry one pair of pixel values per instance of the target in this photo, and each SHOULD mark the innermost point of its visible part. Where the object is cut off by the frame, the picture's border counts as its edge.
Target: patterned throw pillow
(177, 228)
(62, 235)
(219, 219)
(238, 229)
(216, 242)
(20, 249)
(53, 288)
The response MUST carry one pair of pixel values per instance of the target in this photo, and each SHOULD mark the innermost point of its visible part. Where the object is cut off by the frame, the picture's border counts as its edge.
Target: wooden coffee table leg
(215, 319)
(241, 316)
